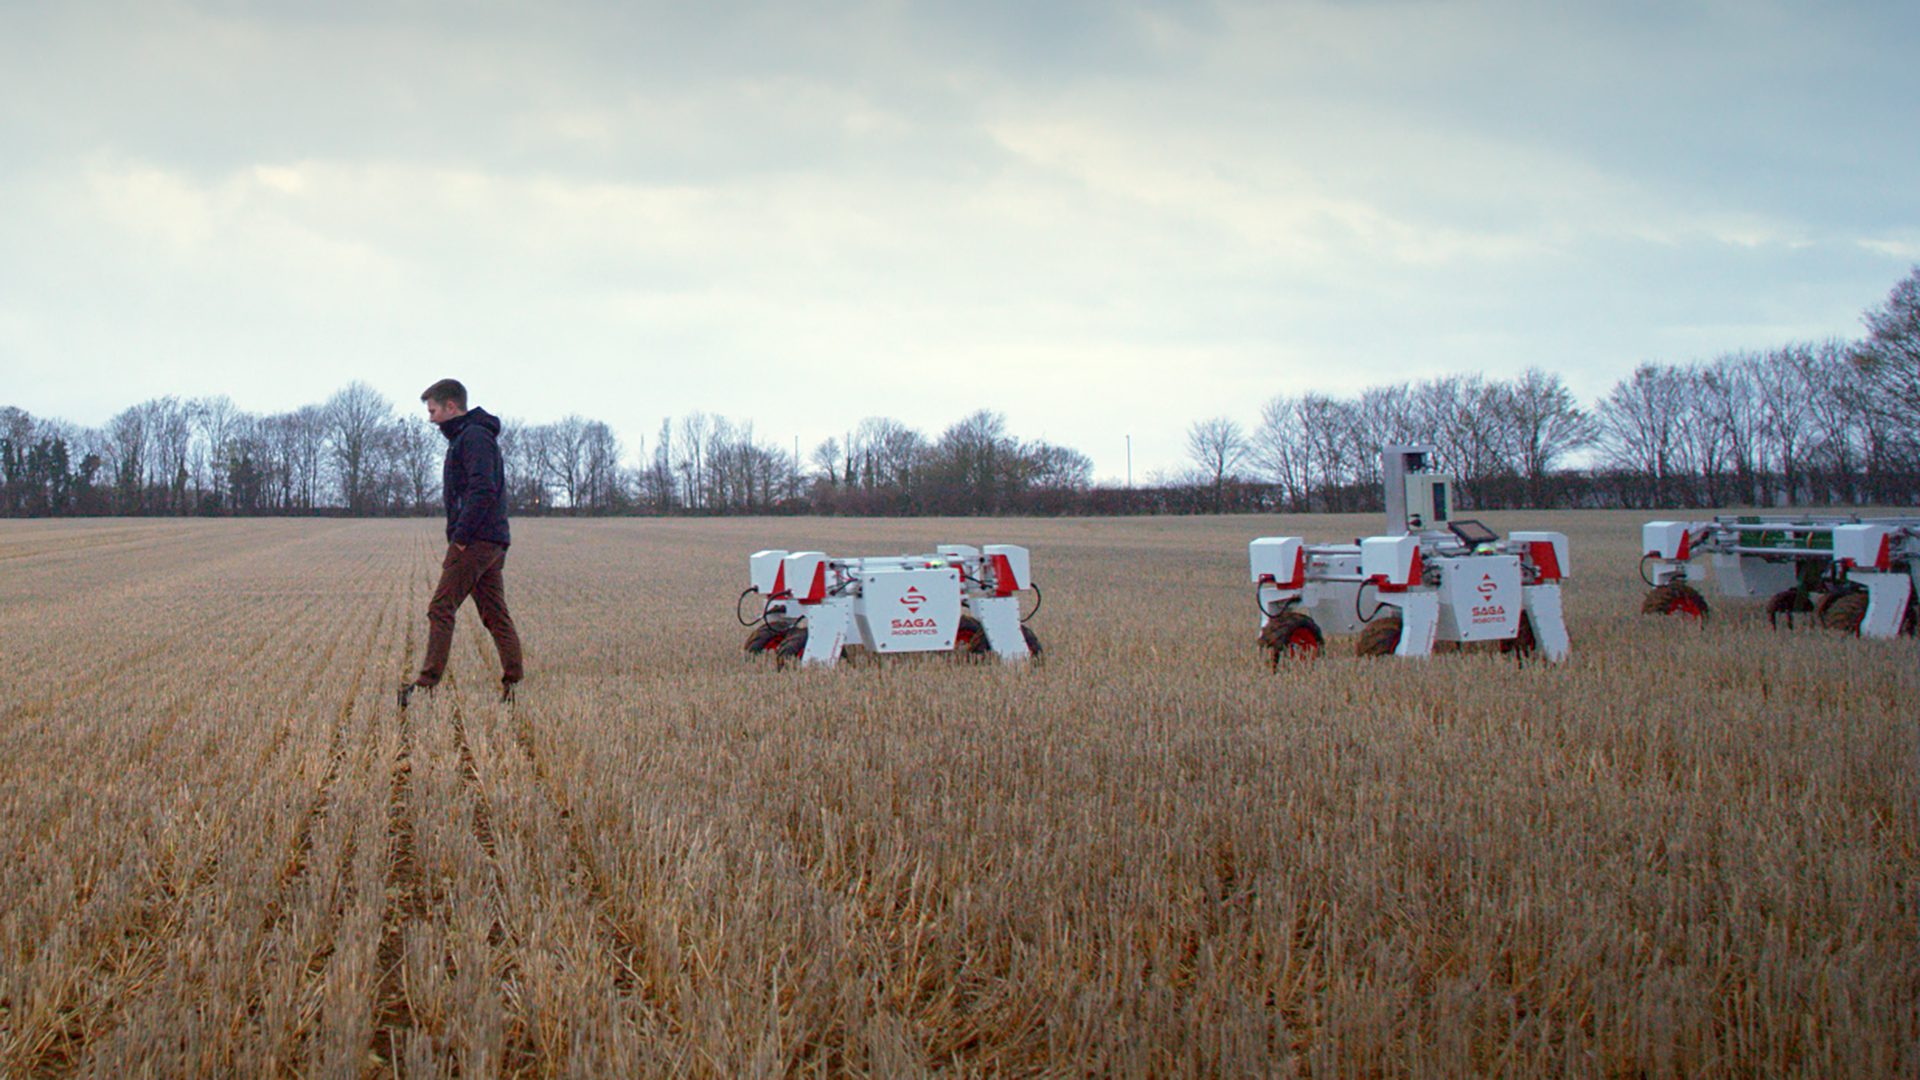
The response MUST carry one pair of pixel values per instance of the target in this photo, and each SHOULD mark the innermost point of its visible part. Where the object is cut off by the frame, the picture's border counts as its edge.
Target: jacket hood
(452, 428)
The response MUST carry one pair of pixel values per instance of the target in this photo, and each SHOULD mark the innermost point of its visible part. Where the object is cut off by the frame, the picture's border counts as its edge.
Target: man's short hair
(446, 390)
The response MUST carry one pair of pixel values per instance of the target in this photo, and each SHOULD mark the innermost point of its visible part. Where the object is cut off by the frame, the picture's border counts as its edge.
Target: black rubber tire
(1676, 599)
(970, 639)
(1292, 634)
(767, 637)
(976, 645)
(1846, 613)
(1523, 644)
(1786, 602)
(790, 648)
(1825, 602)
(1032, 639)
(1380, 638)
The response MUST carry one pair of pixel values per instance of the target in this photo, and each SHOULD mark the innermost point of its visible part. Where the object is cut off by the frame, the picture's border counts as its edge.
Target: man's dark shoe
(407, 690)
(506, 693)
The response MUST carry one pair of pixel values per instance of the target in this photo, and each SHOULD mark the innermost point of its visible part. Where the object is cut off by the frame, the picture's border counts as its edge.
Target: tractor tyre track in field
(157, 733)
(889, 916)
(405, 900)
(314, 974)
(293, 867)
(69, 549)
(520, 1051)
(294, 870)
(84, 677)
(335, 734)
(296, 865)
(756, 905)
(88, 679)
(128, 969)
(1302, 980)
(405, 904)
(624, 952)
(130, 966)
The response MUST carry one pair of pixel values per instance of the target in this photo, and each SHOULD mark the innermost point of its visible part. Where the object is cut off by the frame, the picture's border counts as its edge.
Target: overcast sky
(1100, 219)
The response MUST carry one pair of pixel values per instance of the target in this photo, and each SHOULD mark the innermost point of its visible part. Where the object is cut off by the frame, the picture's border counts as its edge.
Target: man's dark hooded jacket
(474, 480)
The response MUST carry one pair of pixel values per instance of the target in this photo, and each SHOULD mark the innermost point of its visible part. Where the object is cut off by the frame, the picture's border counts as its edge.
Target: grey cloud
(679, 198)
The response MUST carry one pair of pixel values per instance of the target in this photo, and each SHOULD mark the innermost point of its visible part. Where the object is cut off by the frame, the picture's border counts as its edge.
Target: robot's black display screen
(1472, 532)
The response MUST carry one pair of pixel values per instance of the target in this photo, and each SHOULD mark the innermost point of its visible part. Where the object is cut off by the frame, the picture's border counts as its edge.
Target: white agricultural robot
(958, 599)
(1856, 574)
(1430, 579)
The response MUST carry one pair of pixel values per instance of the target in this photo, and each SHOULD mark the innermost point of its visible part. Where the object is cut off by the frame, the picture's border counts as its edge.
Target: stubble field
(223, 850)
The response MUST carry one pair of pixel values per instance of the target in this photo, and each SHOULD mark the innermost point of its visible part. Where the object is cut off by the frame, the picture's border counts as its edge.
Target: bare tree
(417, 453)
(1327, 425)
(522, 452)
(1728, 406)
(826, 458)
(1544, 425)
(1057, 468)
(1384, 415)
(1278, 447)
(250, 480)
(973, 460)
(603, 485)
(215, 420)
(280, 443)
(1784, 413)
(1217, 446)
(127, 457)
(885, 452)
(563, 458)
(1837, 417)
(1467, 419)
(689, 449)
(902, 449)
(659, 472)
(306, 430)
(170, 431)
(721, 455)
(1700, 457)
(763, 469)
(355, 419)
(1639, 423)
(1439, 412)
(1889, 358)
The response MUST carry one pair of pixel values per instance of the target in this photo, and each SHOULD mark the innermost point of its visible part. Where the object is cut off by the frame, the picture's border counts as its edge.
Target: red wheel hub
(1303, 641)
(1685, 604)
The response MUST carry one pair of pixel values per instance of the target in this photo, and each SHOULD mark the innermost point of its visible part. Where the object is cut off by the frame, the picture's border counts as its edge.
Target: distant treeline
(1812, 423)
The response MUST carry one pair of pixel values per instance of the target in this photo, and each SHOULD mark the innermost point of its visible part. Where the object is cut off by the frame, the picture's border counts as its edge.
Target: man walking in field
(474, 484)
